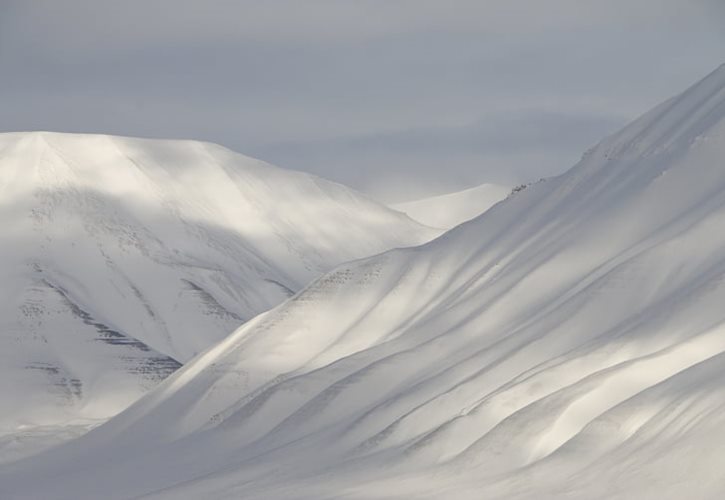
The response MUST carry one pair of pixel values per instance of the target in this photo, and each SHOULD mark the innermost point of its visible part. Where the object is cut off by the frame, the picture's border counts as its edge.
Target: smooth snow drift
(449, 210)
(568, 343)
(122, 258)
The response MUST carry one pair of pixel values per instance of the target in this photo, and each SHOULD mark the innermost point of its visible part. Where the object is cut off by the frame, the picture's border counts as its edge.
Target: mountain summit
(122, 258)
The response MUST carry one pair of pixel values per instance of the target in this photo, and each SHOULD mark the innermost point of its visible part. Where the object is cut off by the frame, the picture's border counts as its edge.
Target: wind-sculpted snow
(569, 343)
(120, 259)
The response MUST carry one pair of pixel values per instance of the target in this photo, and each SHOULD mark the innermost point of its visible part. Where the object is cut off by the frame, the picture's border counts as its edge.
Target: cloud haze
(397, 97)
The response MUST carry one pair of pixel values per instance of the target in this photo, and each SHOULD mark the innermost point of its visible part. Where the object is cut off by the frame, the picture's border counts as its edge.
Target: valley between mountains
(567, 343)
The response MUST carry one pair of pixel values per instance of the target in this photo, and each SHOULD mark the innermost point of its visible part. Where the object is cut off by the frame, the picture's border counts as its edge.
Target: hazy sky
(397, 97)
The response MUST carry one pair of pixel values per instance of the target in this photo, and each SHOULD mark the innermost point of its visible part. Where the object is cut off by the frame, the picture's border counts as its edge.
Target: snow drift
(122, 258)
(568, 343)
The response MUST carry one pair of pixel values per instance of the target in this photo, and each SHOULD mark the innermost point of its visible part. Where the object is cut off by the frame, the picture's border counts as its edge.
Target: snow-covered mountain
(448, 210)
(122, 258)
(568, 343)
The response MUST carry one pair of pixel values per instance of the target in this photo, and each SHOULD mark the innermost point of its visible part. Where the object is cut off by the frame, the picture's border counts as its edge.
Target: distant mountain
(448, 210)
(570, 342)
(122, 258)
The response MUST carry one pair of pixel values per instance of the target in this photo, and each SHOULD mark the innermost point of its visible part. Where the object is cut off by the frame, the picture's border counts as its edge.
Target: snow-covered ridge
(448, 210)
(121, 258)
(569, 343)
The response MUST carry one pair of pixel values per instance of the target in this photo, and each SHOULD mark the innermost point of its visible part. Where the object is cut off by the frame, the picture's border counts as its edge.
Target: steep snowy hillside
(122, 258)
(449, 210)
(568, 343)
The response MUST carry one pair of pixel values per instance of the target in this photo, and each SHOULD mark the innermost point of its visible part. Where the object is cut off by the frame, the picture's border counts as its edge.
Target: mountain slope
(122, 258)
(568, 343)
(448, 210)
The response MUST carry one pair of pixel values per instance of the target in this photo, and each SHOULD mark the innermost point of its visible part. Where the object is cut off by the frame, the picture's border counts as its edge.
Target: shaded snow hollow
(568, 343)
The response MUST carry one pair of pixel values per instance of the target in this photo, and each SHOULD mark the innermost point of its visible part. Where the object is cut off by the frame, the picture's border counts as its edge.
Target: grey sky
(397, 97)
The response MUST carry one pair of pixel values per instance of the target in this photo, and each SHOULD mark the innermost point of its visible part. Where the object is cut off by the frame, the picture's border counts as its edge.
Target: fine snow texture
(448, 210)
(568, 343)
(122, 258)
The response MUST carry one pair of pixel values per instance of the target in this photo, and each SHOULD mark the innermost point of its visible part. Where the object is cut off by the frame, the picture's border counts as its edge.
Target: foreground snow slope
(122, 258)
(568, 343)
(449, 210)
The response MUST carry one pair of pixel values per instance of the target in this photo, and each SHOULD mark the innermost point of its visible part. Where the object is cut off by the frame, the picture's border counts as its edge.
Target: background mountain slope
(569, 342)
(122, 258)
(448, 210)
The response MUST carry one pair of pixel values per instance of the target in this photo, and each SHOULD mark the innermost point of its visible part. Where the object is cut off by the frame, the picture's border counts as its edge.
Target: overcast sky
(400, 98)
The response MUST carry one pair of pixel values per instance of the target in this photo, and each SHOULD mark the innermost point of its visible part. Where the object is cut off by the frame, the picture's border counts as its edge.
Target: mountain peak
(122, 258)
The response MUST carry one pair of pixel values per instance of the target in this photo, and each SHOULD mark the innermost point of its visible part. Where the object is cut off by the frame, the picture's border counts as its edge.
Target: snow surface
(449, 210)
(569, 343)
(122, 258)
